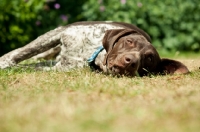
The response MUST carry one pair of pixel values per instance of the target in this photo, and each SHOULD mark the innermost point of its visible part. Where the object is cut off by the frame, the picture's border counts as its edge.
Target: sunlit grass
(81, 100)
(178, 54)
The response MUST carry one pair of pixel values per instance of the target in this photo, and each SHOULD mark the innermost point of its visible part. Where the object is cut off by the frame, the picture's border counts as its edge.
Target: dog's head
(130, 53)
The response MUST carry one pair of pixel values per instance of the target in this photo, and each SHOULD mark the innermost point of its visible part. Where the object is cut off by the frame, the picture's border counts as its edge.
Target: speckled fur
(79, 43)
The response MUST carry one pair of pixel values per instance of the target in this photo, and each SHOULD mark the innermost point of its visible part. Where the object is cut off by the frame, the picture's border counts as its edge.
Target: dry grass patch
(82, 100)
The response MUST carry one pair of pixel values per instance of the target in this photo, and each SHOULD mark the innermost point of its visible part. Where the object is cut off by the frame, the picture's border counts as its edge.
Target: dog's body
(127, 49)
(80, 41)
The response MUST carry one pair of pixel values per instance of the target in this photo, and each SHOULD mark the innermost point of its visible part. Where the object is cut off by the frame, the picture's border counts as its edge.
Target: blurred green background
(172, 24)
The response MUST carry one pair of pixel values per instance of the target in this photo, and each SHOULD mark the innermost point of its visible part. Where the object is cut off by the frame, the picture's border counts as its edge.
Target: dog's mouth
(126, 65)
(118, 71)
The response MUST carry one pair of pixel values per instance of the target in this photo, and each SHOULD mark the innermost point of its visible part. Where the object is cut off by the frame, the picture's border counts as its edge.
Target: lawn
(85, 101)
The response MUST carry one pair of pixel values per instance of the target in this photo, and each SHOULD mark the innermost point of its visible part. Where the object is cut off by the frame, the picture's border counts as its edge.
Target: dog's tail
(39, 45)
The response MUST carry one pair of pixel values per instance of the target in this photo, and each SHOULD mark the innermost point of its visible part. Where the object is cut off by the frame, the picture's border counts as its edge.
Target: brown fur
(129, 53)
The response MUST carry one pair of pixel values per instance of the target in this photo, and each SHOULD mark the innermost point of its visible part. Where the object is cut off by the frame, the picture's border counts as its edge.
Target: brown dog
(119, 49)
(129, 52)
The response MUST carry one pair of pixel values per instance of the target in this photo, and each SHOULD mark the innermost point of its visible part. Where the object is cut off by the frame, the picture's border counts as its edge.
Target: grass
(81, 100)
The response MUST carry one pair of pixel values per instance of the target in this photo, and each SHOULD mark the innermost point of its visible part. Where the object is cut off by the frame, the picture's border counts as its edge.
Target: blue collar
(94, 55)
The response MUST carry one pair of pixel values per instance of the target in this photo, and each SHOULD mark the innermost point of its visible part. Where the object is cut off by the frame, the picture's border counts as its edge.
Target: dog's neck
(99, 60)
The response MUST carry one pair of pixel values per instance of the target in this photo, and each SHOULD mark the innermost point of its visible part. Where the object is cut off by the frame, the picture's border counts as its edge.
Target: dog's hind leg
(49, 54)
(39, 45)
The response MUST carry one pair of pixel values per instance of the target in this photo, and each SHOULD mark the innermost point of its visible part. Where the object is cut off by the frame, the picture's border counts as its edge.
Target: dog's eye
(149, 58)
(129, 42)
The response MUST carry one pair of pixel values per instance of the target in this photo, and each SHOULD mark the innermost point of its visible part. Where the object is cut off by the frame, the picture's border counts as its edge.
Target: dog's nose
(129, 60)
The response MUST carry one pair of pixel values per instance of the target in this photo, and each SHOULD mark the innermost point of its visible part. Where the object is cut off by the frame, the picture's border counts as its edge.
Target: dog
(115, 48)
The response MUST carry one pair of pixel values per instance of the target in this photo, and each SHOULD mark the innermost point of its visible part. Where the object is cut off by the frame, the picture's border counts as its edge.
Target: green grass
(81, 100)
(177, 54)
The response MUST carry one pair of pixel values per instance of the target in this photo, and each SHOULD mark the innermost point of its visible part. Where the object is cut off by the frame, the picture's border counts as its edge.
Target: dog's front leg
(39, 45)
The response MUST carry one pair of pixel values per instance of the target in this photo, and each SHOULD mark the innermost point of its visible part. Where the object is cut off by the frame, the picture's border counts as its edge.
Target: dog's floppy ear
(168, 66)
(112, 36)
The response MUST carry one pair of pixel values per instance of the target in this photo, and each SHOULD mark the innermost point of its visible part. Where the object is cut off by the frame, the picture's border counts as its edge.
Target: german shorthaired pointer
(112, 47)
